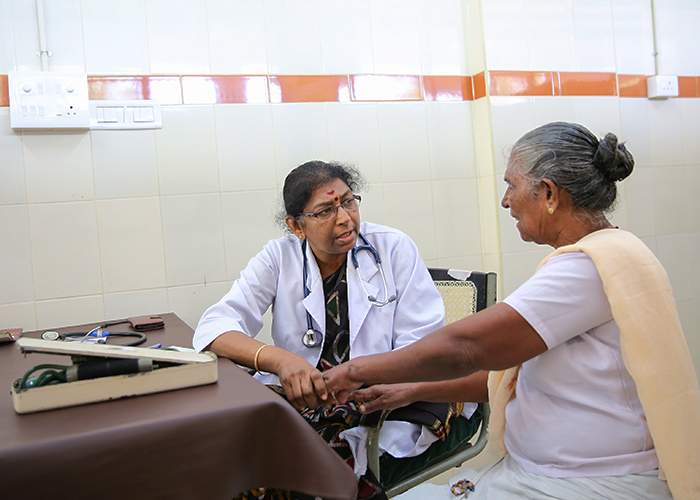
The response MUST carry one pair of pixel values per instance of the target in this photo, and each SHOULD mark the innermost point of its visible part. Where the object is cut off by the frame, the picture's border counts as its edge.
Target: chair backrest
(464, 292)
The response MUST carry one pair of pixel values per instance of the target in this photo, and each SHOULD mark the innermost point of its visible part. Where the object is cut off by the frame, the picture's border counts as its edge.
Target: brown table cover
(208, 442)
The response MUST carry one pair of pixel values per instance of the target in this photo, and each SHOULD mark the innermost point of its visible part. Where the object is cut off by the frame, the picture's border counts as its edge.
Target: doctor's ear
(295, 227)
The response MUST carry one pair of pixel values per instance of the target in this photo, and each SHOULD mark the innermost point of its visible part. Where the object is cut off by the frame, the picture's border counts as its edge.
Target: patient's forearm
(470, 388)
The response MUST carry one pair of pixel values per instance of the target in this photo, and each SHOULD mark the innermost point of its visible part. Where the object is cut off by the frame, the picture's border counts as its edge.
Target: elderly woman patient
(585, 366)
(341, 288)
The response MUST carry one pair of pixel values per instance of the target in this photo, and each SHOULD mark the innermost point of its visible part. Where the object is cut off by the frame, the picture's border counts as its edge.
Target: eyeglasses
(350, 205)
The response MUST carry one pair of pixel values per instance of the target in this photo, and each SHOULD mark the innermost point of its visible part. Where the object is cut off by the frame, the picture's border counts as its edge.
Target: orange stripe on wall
(212, 89)
(587, 84)
(688, 86)
(447, 88)
(309, 88)
(221, 89)
(164, 89)
(479, 82)
(632, 85)
(4, 91)
(516, 83)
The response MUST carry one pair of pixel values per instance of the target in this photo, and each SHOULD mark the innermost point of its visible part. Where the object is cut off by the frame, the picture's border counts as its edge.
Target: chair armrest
(373, 444)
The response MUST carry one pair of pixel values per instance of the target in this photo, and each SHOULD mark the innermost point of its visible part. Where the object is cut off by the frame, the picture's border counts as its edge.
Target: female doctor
(339, 289)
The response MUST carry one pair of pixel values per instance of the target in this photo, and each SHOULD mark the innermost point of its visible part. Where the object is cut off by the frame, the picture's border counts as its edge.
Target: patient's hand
(385, 397)
(340, 383)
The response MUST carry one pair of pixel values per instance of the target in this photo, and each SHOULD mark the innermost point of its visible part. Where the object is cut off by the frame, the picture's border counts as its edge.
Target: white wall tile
(293, 42)
(125, 163)
(594, 44)
(354, 137)
(409, 206)
(193, 239)
(115, 37)
(481, 124)
(634, 37)
(372, 207)
(546, 110)
(186, 145)
(25, 34)
(511, 118)
(177, 36)
(518, 267)
(689, 131)
(237, 41)
(248, 222)
(18, 316)
(445, 50)
(398, 31)
(15, 255)
(450, 139)
(135, 303)
(506, 34)
(456, 205)
(300, 134)
(665, 146)
(676, 27)
(7, 45)
(676, 204)
(600, 115)
(58, 165)
(636, 129)
(131, 244)
(346, 37)
(65, 252)
(678, 254)
(551, 32)
(403, 141)
(64, 34)
(12, 184)
(189, 302)
(245, 147)
(639, 193)
(69, 312)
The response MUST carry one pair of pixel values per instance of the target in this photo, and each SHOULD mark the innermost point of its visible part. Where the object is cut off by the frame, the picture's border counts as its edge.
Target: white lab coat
(274, 278)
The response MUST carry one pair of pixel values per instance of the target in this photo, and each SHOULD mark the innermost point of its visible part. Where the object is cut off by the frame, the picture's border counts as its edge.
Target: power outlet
(662, 86)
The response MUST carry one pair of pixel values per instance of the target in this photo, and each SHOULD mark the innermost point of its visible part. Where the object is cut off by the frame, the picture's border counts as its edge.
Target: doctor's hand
(340, 383)
(302, 383)
(385, 397)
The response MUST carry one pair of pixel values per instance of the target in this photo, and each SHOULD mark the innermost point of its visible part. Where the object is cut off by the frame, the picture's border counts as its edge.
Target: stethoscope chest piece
(311, 338)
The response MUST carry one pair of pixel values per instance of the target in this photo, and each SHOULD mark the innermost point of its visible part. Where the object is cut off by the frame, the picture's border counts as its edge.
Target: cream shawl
(654, 351)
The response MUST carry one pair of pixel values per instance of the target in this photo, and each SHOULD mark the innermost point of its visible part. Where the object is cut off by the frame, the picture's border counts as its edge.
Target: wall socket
(662, 86)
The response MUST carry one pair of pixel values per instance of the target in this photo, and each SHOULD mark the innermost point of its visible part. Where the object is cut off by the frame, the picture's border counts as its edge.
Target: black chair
(463, 293)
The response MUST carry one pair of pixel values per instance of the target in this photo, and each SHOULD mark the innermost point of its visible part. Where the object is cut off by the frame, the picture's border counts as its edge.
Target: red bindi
(330, 192)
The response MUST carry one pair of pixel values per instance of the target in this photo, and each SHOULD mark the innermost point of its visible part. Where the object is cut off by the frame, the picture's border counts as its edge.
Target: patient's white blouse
(576, 411)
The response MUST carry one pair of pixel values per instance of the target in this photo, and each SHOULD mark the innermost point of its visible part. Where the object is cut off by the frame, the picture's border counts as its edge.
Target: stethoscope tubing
(312, 337)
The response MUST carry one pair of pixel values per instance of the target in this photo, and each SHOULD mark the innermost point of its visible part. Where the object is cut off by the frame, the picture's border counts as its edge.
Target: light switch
(125, 115)
(143, 114)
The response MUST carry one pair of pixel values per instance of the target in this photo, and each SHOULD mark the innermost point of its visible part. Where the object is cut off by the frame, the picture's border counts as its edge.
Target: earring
(550, 210)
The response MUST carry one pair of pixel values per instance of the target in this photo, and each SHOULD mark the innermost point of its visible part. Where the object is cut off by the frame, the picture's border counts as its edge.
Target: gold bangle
(257, 355)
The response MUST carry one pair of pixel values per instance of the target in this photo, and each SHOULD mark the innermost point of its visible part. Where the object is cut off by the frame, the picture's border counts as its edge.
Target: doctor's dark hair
(303, 180)
(574, 159)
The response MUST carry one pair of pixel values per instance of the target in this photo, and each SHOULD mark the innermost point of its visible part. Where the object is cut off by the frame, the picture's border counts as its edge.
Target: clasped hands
(307, 387)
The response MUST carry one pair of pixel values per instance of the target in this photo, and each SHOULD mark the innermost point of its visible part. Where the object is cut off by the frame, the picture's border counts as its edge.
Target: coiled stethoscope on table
(312, 337)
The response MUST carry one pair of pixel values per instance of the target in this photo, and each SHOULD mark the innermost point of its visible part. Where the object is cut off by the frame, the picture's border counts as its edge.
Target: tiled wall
(112, 223)
(659, 201)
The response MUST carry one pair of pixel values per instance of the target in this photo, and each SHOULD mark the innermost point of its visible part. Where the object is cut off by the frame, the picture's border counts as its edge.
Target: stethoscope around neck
(312, 337)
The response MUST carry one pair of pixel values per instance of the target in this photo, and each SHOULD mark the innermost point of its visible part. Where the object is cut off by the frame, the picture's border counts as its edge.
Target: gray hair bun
(613, 159)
